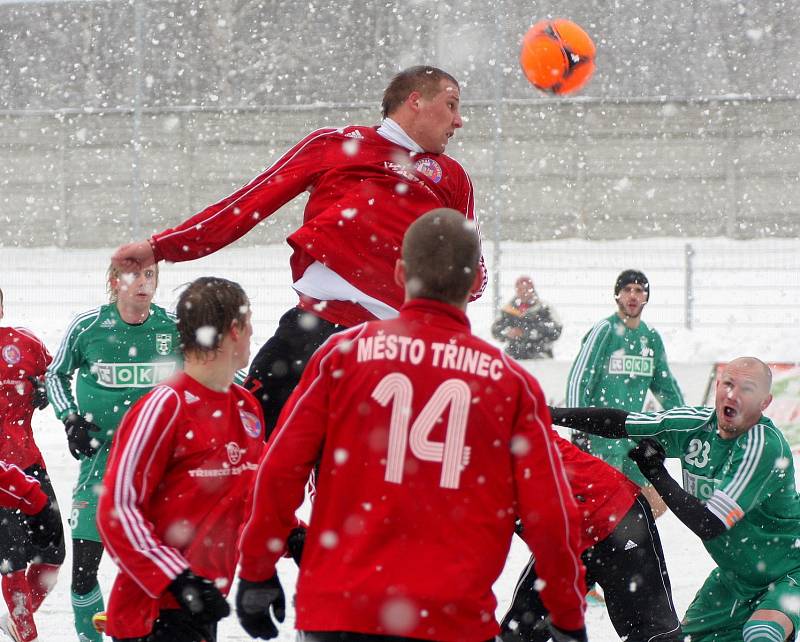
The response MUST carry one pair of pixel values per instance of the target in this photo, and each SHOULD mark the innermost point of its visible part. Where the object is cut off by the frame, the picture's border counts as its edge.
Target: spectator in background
(527, 324)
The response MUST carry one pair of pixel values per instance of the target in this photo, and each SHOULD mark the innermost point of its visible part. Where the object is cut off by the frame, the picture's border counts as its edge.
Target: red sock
(18, 599)
(41, 580)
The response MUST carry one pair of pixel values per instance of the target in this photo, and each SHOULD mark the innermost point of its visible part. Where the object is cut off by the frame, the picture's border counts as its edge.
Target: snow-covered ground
(44, 288)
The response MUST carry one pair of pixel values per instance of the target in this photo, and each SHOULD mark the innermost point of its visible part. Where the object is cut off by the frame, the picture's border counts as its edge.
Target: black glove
(253, 603)
(199, 598)
(79, 436)
(295, 543)
(39, 393)
(563, 635)
(649, 456)
(44, 528)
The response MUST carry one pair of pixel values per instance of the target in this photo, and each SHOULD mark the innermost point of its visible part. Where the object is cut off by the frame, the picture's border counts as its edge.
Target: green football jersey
(747, 482)
(116, 362)
(617, 365)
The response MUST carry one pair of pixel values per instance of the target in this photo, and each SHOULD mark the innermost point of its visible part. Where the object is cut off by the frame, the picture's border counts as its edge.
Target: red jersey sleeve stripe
(259, 180)
(133, 523)
(552, 456)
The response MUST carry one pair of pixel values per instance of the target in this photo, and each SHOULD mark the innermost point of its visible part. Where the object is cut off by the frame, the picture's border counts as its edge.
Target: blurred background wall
(118, 118)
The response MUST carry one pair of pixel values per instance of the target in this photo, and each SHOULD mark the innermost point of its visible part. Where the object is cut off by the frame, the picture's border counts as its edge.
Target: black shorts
(279, 364)
(174, 625)
(16, 549)
(629, 565)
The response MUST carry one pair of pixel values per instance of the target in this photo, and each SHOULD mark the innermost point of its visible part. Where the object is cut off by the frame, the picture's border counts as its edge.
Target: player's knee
(86, 557)
(83, 583)
(763, 631)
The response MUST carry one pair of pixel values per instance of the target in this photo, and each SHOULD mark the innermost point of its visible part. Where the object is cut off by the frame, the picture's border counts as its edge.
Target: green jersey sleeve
(69, 358)
(664, 386)
(753, 474)
(669, 427)
(588, 366)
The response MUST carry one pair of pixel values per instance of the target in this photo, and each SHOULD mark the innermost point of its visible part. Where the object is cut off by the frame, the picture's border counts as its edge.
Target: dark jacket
(539, 323)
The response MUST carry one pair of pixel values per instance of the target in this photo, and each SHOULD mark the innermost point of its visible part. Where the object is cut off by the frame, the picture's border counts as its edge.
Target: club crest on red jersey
(234, 452)
(430, 168)
(11, 354)
(251, 423)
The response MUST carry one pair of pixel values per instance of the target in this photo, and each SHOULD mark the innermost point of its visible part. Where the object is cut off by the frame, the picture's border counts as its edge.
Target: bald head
(742, 395)
(441, 252)
(755, 367)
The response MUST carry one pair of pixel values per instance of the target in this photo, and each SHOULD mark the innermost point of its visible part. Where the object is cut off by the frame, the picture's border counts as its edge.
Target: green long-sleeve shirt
(116, 363)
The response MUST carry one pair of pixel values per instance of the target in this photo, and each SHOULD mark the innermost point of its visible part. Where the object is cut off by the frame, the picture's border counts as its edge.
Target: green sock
(763, 631)
(84, 607)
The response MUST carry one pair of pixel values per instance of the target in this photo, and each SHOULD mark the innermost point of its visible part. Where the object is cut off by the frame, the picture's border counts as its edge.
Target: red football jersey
(364, 193)
(20, 491)
(431, 442)
(176, 493)
(603, 494)
(22, 355)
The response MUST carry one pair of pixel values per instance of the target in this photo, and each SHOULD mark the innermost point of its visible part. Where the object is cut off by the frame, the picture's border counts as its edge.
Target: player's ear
(235, 330)
(413, 100)
(766, 402)
(478, 280)
(400, 273)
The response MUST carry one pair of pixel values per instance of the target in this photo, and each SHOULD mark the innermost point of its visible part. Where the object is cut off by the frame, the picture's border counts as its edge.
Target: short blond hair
(113, 274)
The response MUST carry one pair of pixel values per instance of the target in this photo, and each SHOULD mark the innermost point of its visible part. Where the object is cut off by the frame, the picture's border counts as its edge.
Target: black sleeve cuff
(604, 422)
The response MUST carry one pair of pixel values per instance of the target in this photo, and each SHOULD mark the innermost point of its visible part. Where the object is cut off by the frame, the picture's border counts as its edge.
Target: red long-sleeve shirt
(364, 192)
(431, 442)
(22, 355)
(175, 494)
(19, 491)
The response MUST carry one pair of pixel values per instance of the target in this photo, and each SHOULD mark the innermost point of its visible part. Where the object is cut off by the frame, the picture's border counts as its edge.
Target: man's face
(438, 118)
(631, 300)
(136, 289)
(742, 395)
(524, 288)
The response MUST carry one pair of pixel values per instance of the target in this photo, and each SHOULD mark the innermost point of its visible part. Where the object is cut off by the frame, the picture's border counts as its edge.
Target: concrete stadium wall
(542, 169)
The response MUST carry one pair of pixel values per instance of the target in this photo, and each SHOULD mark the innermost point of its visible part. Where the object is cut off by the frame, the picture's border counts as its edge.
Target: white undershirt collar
(391, 131)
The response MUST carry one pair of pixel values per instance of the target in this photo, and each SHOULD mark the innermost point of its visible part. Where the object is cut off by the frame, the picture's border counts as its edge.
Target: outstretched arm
(605, 422)
(649, 455)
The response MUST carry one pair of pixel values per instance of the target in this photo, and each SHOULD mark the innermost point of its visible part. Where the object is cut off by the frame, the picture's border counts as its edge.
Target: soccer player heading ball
(366, 185)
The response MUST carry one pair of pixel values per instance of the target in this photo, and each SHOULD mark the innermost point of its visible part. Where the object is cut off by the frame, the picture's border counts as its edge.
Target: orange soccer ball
(557, 56)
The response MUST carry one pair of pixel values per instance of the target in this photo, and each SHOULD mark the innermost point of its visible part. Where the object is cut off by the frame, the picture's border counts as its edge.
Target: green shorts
(615, 453)
(717, 615)
(86, 494)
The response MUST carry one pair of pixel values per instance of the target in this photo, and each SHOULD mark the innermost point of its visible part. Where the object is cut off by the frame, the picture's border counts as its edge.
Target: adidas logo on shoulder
(107, 323)
(354, 134)
(189, 397)
(630, 544)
